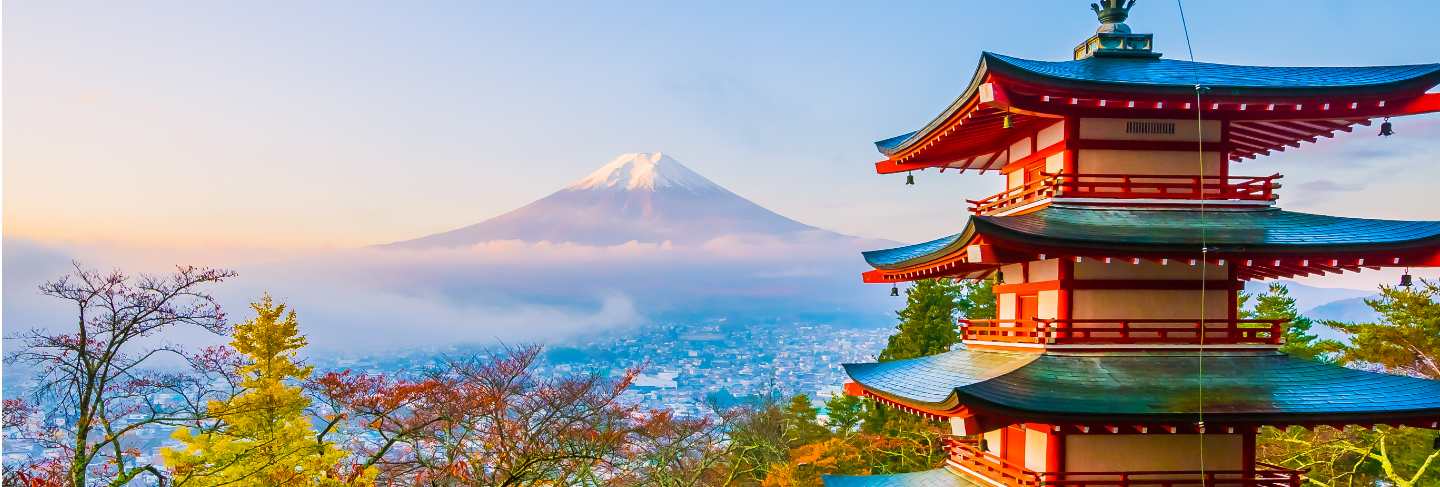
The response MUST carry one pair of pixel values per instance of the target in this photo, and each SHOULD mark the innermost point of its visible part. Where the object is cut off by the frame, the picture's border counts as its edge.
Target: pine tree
(262, 436)
(927, 323)
(1276, 304)
(845, 412)
(1407, 338)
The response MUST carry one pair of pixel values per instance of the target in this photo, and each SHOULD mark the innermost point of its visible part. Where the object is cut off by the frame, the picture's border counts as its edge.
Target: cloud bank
(370, 300)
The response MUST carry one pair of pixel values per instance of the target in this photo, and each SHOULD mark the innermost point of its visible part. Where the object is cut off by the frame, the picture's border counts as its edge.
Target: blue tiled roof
(1223, 229)
(1115, 384)
(1175, 76)
(1161, 229)
(1171, 72)
(930, 478)
(897, 255)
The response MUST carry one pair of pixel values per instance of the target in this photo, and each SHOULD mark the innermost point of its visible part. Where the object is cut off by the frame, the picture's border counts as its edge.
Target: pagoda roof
(1170, 76)
(1157, 231)
(1149, 387)
(1005, 84)
(1173, 75)
(939, 477)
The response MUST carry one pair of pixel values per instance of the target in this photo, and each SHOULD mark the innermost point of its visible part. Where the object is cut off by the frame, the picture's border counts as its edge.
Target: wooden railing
(1125, 331)
(1131, 186)
(966, 454)
(1264, 475)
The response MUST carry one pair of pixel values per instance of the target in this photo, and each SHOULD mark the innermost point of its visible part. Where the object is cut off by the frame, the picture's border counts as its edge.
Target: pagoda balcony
(966, 455)
(1177, 187)
(1136, 331)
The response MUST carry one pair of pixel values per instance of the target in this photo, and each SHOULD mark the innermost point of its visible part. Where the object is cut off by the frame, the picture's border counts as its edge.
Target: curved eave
(1177, 78)
(1150, 388)
(1377, 235)
(1108, 232)
(939, 477)
(912, 255)
(1407, 82)
(967, 98)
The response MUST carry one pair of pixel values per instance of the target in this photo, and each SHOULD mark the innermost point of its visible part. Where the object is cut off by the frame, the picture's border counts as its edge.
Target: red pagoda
(1119, 245)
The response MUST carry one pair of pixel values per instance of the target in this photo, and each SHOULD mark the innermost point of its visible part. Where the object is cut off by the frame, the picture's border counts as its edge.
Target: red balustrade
(1131, 186)
(966, 455)
(1127, 331)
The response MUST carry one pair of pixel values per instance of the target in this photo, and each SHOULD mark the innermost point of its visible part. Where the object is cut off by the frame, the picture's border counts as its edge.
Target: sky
(343, 124)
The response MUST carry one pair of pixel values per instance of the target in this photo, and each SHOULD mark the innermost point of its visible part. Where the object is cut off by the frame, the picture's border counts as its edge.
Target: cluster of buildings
(691, 368)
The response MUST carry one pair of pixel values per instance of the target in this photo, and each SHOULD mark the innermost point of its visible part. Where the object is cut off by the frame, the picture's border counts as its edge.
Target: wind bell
(894, 290)
(1386, 129)
(1006, 122)
(909, 179)
(1405, 279)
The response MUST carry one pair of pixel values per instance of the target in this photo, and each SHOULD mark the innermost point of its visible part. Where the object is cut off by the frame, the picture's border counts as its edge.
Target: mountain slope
(647, 197)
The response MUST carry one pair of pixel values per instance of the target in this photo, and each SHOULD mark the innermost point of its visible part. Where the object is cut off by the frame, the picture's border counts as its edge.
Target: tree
(927, 323)
(1355, 456)
(845, 412)
(262, 435)
(491, 419)
(1276, 304)
(1407, 340)
(801, 422)
(94, 377)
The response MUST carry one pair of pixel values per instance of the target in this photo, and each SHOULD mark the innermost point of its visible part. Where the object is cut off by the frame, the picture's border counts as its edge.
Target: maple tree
(98, 394)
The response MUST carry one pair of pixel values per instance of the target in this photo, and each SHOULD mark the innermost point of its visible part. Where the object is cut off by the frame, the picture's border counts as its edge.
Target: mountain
(1309, 297)
(646, 197)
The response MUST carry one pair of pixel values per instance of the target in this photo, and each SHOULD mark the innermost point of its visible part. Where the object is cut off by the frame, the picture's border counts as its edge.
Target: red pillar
(1247, 450)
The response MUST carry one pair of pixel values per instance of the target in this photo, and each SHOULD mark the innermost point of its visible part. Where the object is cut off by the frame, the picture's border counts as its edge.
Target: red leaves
(493, 419)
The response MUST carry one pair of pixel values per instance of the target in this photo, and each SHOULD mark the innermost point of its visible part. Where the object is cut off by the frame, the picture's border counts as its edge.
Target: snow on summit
(644, 171)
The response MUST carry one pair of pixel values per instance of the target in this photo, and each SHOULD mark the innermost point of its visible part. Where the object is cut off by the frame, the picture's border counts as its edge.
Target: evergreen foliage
(1277, 304)
(262, 436)
(927, 323)
(1405, 341)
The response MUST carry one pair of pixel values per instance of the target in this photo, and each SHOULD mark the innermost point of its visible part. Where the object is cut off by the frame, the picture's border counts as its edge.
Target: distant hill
(1310, 297)
(1353, 309)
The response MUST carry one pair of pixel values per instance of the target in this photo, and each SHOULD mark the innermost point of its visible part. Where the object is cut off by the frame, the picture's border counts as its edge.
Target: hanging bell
(909, 179)
(1006, 122)
(1406, 280)
(894, 290)
(1386, 129)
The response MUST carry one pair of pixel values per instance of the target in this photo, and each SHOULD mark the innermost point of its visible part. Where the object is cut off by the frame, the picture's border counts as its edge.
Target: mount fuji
(645, 197)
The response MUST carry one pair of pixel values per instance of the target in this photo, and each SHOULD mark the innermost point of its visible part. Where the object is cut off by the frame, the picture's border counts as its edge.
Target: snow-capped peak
(644, 171)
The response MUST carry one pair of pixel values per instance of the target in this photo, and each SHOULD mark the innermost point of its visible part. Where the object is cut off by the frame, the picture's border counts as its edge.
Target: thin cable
(1204, 233)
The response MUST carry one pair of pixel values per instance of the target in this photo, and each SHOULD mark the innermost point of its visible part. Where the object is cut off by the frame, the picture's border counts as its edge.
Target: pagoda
(1119, 244)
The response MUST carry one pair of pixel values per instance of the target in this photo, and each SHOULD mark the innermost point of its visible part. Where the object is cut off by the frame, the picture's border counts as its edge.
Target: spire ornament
(1112, 15)
(1113, 38)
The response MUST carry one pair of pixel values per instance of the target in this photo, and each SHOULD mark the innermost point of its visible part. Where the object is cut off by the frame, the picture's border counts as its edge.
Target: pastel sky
(340, 124)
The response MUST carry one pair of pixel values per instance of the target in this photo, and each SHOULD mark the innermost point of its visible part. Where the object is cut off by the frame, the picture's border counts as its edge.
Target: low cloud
(369, 300)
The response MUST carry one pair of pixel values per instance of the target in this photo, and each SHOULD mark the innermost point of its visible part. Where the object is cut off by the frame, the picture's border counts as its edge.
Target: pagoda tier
(1159, 391)
(1256, 243)
(1248, 110)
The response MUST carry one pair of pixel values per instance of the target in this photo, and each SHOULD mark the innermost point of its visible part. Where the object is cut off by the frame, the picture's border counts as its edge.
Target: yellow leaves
(263, 436)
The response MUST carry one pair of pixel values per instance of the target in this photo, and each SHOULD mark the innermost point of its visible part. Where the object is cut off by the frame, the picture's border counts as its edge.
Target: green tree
(927, 323)
(1407, 339)
(262, 435)
(1277, 304)
(845, 412)
(801, 422)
